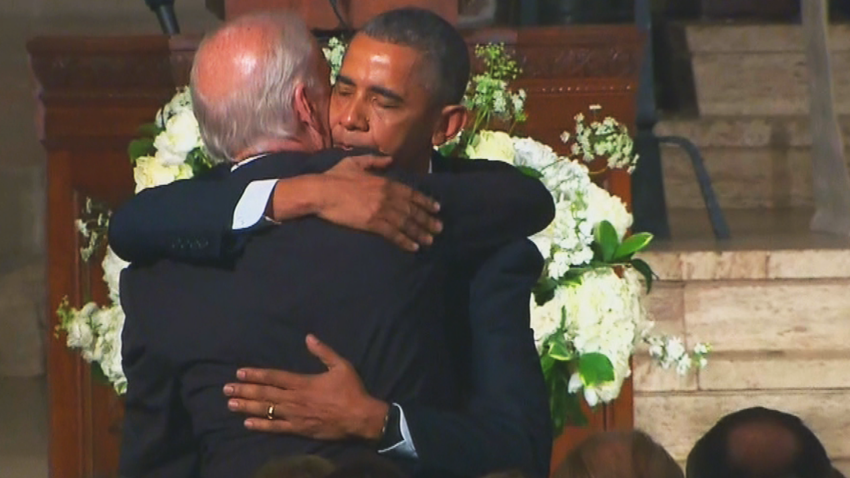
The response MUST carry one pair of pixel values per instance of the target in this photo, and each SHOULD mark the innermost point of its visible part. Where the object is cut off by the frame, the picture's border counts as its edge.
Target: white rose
(180, 137)
(79, 334)
(492, 145)
(149, 172)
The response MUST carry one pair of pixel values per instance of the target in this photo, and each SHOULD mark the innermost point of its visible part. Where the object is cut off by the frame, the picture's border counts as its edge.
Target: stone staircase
(753, 126)
(774, 300)
(779, 321)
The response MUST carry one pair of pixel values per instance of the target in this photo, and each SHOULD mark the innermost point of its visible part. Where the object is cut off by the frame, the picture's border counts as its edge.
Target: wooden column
(93, 93)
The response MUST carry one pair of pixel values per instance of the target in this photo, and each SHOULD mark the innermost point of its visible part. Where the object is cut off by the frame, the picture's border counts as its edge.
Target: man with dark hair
(389, 96)
(759, 443)
(443, 48)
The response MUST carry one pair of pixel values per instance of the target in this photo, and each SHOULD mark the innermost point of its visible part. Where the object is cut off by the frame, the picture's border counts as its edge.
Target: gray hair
(263, 108)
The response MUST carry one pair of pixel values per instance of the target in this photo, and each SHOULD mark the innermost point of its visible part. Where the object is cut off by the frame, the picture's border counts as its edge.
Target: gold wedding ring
(270, 412)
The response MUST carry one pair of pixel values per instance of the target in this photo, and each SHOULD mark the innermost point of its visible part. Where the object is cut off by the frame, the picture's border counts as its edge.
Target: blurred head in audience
(619, 455)
(296, 467)
(506, 474)
(368, 466)
(258, 82)
(759, 443)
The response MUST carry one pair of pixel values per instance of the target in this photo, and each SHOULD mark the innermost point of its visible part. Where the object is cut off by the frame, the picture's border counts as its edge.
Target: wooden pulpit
(93, 93)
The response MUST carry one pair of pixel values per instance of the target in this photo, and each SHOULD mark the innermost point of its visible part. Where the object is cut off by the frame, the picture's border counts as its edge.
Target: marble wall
(777, 321)
(22, 162)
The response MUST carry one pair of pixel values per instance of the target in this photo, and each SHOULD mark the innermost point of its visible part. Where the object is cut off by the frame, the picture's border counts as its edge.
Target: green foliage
(646, 271)
(530, 172)
(139, 148)
(595, 369)
(606, 238)
(632, 245)
(489, 95)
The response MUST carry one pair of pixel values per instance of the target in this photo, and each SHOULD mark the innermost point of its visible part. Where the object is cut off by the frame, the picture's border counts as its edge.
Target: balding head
(246, 79)
(759, 443)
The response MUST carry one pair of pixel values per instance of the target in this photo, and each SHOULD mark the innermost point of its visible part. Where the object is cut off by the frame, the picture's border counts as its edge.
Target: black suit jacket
(189, 327)
(504, 422)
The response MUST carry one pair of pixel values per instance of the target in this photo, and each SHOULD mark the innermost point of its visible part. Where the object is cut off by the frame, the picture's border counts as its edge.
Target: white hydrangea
(604, 314)
(181, 102)
(604, 206)
(112, 267)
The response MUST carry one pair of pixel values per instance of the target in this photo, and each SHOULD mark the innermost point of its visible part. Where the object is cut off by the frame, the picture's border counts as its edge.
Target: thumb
(323, 352)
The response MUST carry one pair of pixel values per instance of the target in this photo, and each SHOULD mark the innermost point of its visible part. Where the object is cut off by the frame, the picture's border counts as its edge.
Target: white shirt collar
(246, 161)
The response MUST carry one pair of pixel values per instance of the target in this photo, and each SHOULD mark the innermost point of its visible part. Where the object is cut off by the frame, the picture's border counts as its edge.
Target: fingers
(323, 352)
(424, 202)
(255, 408)
(270, 426)
(273, 378)
(255, 393)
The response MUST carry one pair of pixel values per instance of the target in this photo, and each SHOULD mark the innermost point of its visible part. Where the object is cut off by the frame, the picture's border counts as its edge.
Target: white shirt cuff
(405, 447)
(252, 205)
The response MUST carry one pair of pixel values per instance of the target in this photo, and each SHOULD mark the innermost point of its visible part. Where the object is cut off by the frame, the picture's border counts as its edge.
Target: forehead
(378, 63)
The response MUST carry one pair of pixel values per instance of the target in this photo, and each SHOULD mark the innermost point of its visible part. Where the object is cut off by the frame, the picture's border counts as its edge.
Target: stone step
(741, 132)
(678, 420)
(775, 310)
(753, 162)
(760, 69)
(742, 178)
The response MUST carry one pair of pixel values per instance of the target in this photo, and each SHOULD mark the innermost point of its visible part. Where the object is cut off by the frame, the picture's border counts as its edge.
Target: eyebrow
(379, 90)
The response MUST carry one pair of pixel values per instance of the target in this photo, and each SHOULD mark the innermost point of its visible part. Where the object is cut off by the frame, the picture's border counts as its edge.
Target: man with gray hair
(189, 326)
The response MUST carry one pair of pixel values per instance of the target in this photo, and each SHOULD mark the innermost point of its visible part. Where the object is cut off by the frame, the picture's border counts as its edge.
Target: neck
(274, 146)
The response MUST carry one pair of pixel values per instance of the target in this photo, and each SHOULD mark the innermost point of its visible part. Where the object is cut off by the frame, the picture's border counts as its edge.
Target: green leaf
(595, 369)
(631, 245)
(140, 147)
(530, 172)
(544, 290)
(558, 349)
(641, 266)
(575, 415)
(149, 130)
(559, 400)
(606, 237)
(547, 363)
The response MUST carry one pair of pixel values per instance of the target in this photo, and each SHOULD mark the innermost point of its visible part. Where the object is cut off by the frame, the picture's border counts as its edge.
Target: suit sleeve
(156, 440)
(188, 220)
(484, 207)
(506, 424)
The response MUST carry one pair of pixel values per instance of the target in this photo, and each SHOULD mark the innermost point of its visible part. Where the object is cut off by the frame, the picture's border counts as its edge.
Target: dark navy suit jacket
(487, 411)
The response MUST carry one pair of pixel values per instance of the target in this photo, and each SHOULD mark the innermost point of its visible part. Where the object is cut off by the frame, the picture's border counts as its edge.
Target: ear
(452, 120)
(304, 108)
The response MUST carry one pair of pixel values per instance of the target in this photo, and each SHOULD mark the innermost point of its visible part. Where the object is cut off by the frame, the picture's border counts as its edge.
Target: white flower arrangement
(607, 139)
(177, 154)
(588, 313)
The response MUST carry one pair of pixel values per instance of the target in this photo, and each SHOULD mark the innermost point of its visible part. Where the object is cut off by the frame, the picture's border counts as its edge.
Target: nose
(353, 116)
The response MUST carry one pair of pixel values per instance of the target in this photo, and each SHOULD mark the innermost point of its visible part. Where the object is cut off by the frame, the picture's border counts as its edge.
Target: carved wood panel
(95, 92)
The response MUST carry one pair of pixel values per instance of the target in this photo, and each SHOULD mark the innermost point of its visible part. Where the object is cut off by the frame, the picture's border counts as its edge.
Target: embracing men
(425, 357)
